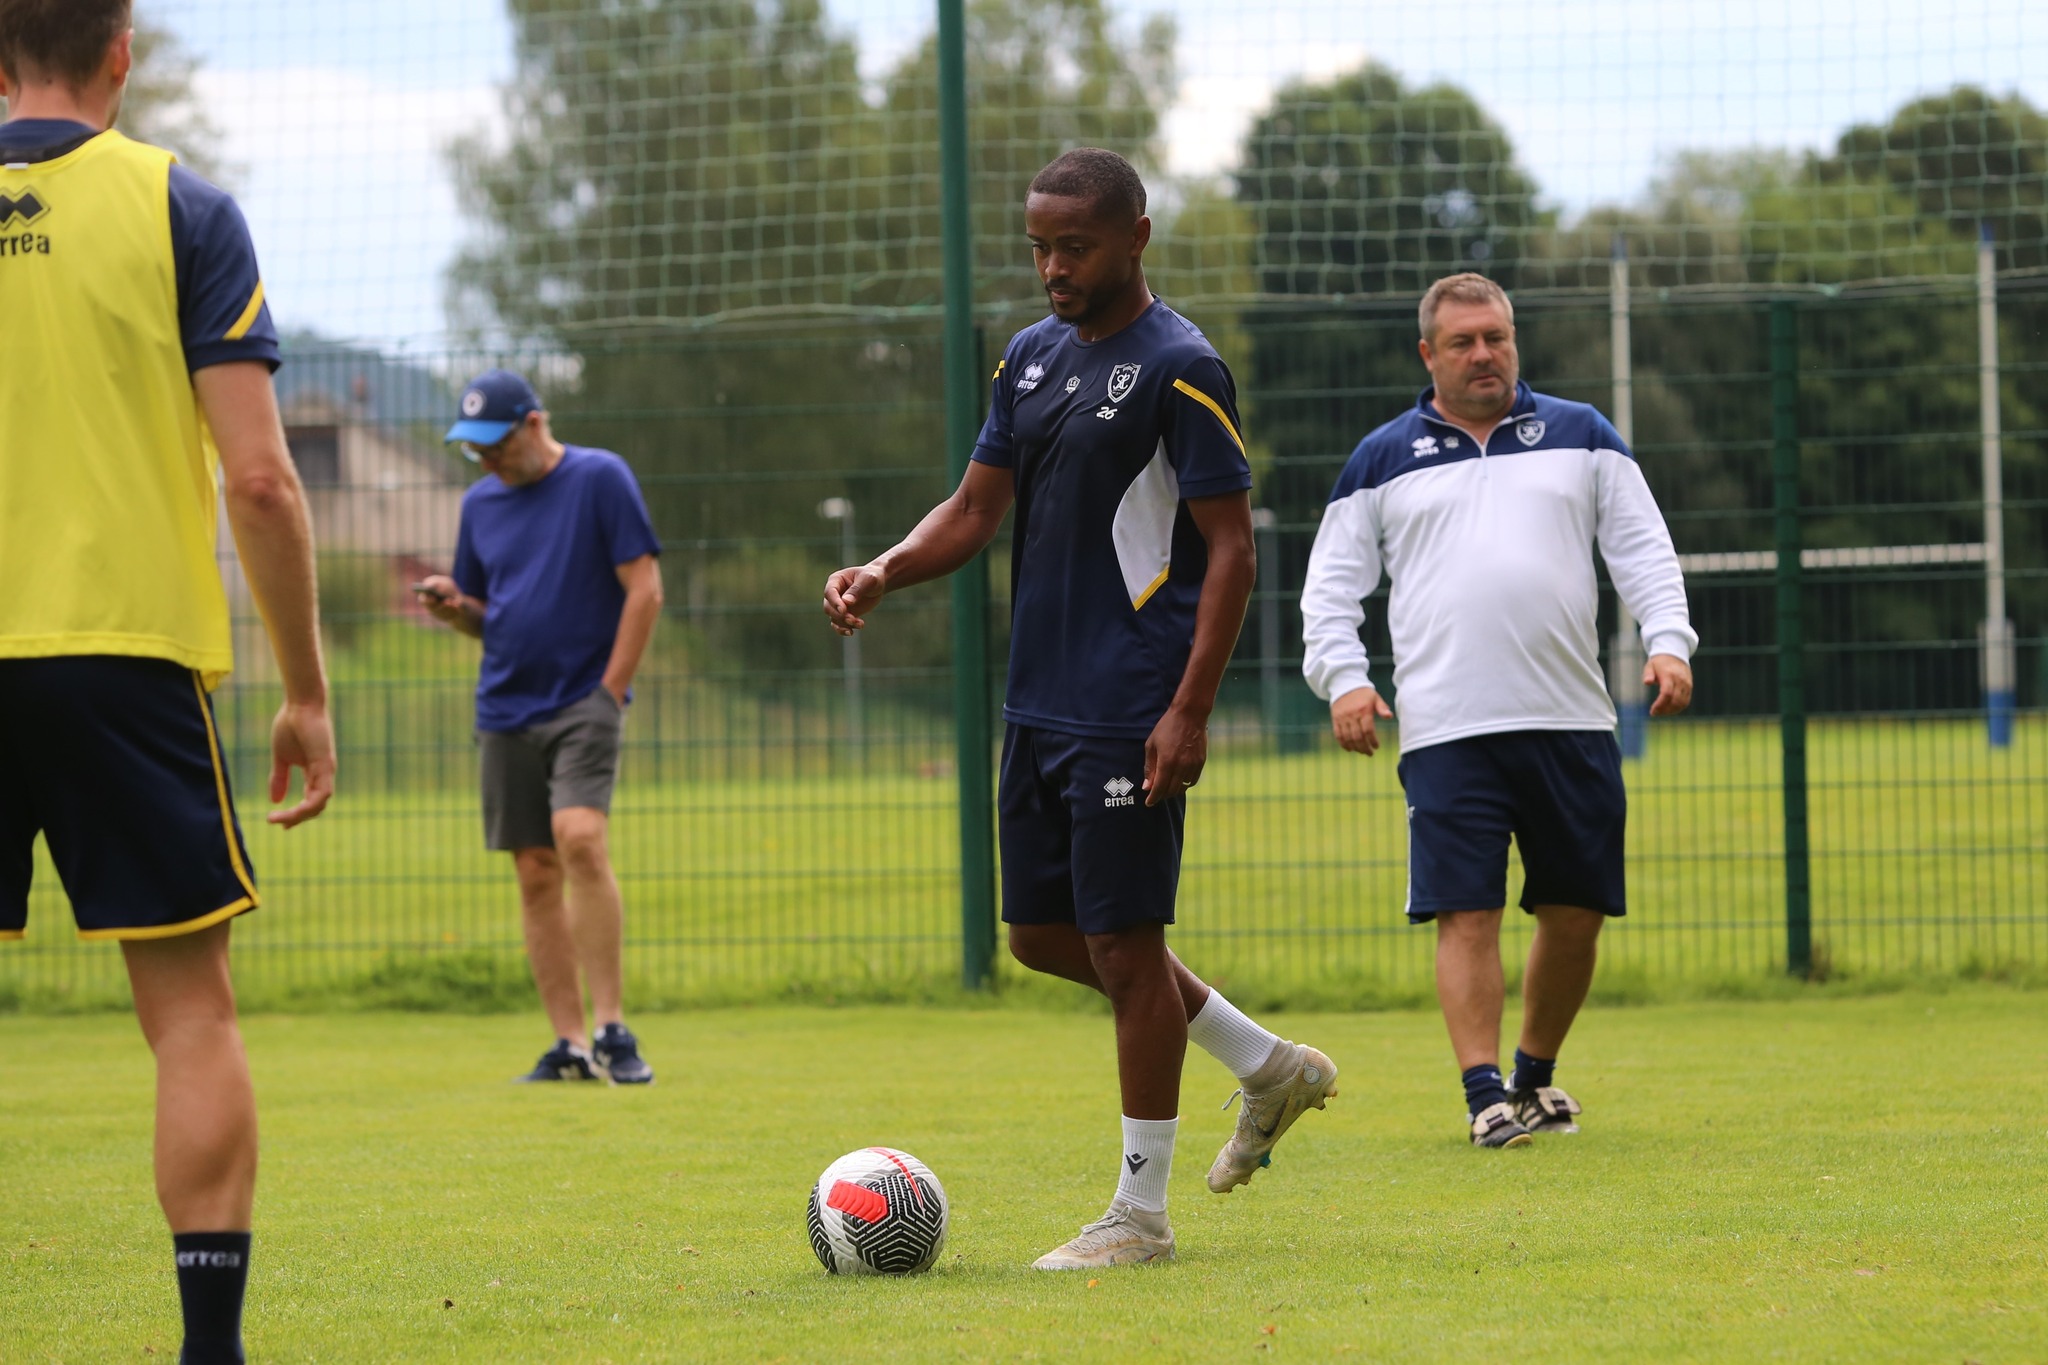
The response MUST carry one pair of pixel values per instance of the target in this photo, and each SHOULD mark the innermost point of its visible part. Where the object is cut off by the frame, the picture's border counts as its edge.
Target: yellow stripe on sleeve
(999, 368)
(1212, 405)
(248, 318)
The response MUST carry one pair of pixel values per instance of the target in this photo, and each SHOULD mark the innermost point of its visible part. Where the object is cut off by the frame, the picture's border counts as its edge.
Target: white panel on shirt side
(1143, 528)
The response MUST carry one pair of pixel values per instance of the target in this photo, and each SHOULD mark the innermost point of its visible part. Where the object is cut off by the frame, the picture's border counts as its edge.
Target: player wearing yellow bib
(135, 361)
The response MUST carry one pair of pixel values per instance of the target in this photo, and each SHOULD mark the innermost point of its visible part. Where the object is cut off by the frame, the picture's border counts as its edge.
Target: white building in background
(364, 431)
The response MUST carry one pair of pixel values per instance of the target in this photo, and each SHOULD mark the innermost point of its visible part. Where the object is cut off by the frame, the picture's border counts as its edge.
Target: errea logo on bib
(25, 208)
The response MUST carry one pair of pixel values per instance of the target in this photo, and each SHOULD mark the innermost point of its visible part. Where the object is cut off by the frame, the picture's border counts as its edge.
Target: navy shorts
(1080, 846)
(1558, 792)
(115, 761)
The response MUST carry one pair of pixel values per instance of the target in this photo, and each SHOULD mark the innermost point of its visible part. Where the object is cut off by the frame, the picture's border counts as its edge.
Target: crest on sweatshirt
(1529, 432)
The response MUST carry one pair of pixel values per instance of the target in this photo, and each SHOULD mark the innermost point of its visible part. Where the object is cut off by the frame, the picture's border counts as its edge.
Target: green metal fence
(721, 238)
(787, 824)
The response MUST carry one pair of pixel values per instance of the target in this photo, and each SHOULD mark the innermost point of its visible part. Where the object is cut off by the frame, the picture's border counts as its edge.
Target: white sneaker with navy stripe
(1545, 1109)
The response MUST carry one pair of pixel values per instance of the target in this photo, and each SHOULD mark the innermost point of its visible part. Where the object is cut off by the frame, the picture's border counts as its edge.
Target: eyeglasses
(476, 454)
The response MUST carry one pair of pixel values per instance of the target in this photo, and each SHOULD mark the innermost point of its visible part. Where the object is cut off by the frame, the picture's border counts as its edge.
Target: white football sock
(1146, 1163)
(1223, 1031)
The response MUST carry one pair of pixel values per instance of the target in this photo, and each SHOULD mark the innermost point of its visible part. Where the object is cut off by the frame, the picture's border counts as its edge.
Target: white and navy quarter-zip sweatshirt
(1490, 553)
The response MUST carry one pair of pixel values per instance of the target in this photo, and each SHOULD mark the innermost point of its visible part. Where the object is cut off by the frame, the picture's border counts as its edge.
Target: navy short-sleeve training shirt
(1108, 440)
(544, 558)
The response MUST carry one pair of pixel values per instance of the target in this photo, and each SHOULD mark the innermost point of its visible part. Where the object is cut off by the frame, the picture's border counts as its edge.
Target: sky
(337, 117)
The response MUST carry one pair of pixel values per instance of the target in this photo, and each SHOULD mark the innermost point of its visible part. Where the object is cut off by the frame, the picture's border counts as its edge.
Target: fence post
(1265, 531)
(972, 737)
(1791, 633)
(2000, 674)
(1625, 656)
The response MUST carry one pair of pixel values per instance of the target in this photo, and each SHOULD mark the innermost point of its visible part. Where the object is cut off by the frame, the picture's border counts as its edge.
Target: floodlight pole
(1265, 533)
(841, 511)
(1791, 634)
(1625, 655)
(972, 739)
(1998, 662)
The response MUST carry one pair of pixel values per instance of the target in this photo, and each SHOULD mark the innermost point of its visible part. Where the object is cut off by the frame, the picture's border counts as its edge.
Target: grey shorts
(570, 759)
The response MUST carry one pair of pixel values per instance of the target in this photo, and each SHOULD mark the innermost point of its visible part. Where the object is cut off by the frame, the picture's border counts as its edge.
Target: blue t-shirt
(544, 558)
(215, 260)
(1108, 439)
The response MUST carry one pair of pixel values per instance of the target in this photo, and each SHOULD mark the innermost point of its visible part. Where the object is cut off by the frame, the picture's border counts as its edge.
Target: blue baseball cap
(495, 402)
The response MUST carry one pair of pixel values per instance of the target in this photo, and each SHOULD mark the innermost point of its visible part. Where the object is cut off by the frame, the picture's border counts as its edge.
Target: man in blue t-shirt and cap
(555, 572)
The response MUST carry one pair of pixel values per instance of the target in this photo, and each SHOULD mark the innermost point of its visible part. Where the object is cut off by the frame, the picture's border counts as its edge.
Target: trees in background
(739, 239)
(737, 234)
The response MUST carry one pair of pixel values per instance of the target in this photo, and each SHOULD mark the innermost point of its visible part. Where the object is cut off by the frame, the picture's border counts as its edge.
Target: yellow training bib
(108, 499)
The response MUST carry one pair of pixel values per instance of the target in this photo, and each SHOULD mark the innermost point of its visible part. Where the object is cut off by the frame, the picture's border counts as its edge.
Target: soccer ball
(877, 1211)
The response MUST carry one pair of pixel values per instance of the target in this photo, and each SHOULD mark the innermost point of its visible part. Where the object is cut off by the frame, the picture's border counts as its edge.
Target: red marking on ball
(915, 1189)
(858, 1201)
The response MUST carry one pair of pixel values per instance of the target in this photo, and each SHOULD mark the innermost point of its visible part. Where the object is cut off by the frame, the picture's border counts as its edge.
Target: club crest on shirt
(1529, 432)
(1122, 379)
(1073, 383)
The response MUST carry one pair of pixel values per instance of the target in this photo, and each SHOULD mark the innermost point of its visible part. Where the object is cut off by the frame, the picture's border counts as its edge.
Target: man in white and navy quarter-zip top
(1482, 505)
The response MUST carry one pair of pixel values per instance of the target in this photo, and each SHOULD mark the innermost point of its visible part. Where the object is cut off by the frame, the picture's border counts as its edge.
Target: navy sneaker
(564, 1062)
(618, 1051)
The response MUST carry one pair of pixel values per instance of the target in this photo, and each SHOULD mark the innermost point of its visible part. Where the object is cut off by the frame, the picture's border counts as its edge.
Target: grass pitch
(1817, 1180)
(1930, 855)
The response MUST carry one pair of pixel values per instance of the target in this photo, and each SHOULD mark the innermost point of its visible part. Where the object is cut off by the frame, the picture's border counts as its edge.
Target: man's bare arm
(642, 580)
(1178, 748)
(273, 531)
(952, 533)
(447, 603)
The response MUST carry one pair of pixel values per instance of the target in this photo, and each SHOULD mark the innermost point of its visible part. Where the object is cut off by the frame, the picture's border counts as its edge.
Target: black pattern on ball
(819, 1242)
(907, 1238)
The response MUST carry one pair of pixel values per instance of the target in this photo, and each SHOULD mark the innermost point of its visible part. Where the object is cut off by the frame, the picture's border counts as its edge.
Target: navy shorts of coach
(117, 763)
(1557, 792)
(1080, 846)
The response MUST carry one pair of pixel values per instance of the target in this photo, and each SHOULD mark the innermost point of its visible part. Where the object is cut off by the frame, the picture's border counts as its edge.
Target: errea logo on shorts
(1120, 789)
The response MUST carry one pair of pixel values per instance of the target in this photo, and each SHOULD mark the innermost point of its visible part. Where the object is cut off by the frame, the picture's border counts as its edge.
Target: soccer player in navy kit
(1113, 428)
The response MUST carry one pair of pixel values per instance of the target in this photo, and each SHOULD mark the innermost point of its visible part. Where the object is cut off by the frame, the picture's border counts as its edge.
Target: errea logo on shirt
(26, 207)
(1423, 446)
(1120, 789)
(1030, 379)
